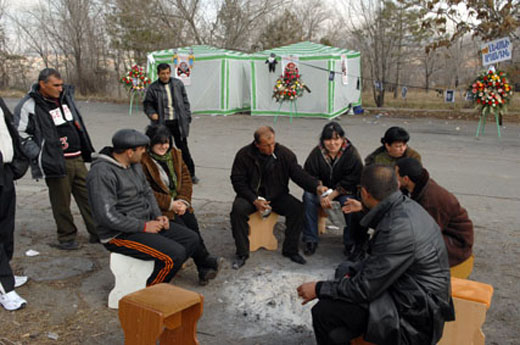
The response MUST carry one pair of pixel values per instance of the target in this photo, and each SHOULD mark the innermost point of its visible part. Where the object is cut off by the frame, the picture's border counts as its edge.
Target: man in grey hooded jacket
(128, 218)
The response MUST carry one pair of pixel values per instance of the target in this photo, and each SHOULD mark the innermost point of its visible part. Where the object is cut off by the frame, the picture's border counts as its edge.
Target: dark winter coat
(405, 278)
(452, 218)
(381, 156)
(343, 175)
(120, 198)
(247, 177)
(154, 103)
(19, 163)
(40, 140)
(160, 190)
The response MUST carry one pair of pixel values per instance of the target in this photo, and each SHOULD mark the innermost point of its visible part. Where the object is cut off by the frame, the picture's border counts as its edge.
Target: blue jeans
(311, 204)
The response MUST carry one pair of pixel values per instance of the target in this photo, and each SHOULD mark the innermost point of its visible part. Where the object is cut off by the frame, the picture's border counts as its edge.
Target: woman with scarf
(171, 183)
(337, 164)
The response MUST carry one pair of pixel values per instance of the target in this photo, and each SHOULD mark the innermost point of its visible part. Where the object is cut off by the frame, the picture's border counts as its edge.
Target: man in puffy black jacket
(400, 292)
(56, 141)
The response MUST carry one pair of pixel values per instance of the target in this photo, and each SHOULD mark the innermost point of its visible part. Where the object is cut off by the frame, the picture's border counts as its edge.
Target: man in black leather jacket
(400, 293)
(166, 102)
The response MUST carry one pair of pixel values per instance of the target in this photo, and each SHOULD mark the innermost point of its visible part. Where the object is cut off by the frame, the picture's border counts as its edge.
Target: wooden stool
(261, 231)
(463, 270)
(472, 300)
(130, 275)
(161, 312)
(322, 221)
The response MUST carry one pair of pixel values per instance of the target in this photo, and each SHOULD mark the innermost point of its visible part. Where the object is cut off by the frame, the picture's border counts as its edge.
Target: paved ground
(68, 291)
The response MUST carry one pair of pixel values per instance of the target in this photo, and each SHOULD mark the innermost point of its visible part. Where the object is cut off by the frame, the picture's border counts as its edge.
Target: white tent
(218, 81)
(328, 98)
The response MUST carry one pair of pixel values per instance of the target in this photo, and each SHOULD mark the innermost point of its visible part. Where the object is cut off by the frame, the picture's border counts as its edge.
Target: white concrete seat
(130, 275)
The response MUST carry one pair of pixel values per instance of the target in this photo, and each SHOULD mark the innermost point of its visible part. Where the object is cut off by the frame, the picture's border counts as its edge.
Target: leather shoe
(70, 245)
(195, 179)
(310, 248)
(205, 274)
(297, 258)
(239, 262)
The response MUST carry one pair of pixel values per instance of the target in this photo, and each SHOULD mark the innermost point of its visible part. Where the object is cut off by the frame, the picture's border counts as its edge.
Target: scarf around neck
(167, 160)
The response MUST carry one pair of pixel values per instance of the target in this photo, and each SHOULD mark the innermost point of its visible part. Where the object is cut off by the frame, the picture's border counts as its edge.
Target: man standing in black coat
(400, 292)
(260, 177)
(166, 102)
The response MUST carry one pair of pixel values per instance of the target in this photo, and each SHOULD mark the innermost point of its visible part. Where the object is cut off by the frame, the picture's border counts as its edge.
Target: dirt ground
(67, 293)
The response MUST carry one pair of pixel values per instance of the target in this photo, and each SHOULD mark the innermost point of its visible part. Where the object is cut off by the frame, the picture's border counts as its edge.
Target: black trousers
(169, 249)
(286, 205)
(182, 144)
(337, 322)
(188, 220)
(7, 213)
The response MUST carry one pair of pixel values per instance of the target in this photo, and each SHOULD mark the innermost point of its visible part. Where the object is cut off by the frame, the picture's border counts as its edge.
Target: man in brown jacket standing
(443, 206)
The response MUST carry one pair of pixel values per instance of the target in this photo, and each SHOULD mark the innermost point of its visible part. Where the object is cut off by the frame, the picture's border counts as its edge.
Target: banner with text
(496, 51)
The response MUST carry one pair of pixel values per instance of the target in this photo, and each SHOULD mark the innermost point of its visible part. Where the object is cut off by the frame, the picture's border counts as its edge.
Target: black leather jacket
(405, 279)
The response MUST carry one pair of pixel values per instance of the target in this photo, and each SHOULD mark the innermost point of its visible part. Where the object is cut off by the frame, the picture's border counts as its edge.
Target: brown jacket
(160, 190)
(452, 218)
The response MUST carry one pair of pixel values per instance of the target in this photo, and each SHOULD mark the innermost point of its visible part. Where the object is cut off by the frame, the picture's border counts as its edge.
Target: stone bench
(261, 231)
(130, 275)
(471, 300)
(161, 314)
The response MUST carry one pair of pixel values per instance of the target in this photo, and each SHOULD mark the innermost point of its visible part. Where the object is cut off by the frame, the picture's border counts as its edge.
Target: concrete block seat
(130, 275)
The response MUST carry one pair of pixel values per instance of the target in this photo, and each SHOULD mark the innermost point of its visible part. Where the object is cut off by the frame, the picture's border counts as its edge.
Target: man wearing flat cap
(128, 218)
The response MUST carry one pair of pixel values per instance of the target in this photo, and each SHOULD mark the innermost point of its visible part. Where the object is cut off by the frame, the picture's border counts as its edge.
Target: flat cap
(129, 139)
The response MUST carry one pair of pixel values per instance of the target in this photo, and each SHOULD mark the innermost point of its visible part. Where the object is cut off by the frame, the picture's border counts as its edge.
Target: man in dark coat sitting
(400, 292)
(443, 206)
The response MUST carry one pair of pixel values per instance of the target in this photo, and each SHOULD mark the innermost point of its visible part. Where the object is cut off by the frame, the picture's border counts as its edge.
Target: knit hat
(129, 139)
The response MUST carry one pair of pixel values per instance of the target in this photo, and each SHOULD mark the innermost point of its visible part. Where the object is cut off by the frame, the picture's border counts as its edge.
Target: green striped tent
(327, 98)
(219, 78)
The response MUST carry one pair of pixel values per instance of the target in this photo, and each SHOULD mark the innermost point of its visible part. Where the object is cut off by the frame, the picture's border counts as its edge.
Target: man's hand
(165, 222)
(179, 207)
(154, 116)
(307, 291)
(352, 206)
(261, 205)
(325, 202)
(321, 189)
(153, 226)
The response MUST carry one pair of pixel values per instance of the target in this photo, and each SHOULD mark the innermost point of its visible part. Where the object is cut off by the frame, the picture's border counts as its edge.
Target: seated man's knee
(241, 208)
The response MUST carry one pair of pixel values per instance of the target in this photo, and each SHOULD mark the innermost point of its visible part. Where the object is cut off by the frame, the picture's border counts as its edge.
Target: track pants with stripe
(169, 249)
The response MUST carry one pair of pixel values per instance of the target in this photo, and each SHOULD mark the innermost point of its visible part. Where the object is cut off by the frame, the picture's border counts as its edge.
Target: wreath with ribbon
(289, 86)
(135, 80)
(492, 91)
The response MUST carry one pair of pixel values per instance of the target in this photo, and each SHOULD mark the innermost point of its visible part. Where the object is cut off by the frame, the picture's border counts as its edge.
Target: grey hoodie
(120, 198)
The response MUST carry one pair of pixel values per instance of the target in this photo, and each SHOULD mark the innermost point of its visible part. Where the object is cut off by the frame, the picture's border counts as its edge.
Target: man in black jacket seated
(400, 292)
(260, 177)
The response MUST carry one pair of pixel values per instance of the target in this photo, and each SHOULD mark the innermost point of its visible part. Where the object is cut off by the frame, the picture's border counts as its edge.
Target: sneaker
(19, 281)
(70, 245)
(12, 301)
(213, 262)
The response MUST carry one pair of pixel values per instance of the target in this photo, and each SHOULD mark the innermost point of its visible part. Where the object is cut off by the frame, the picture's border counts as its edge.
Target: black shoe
(205, 274)
(195, 179)
(239, 262)
(70, 245)
(213, 262)
(93, 239)
(348, 250)
(296, 258)
(310, 248)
